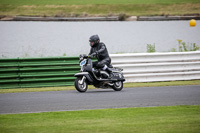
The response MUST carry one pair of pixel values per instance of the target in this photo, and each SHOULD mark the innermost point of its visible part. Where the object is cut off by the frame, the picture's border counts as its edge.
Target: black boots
(110, 72)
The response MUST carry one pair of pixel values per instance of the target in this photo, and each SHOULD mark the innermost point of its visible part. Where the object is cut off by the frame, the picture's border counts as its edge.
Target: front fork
(82, 80)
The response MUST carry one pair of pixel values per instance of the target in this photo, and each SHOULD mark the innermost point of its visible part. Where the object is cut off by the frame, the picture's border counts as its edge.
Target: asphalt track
(33, 102)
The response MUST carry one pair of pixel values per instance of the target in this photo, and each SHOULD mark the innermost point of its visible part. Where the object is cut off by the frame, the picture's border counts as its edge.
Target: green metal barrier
(38, 72)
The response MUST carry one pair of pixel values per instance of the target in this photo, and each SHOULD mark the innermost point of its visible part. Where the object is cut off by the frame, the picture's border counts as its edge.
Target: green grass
(93, 2)
(98, 7)
(175, 119)
(126, 85)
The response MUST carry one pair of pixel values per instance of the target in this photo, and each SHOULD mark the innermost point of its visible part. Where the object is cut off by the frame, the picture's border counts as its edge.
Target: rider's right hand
(92, 55)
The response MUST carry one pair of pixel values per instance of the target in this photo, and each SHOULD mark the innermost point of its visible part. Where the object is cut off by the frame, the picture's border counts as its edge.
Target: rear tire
(80, 87)
(118, 86)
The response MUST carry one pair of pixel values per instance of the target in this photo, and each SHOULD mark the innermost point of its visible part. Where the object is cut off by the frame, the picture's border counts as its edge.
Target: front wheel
(80, 85)
(118, 86)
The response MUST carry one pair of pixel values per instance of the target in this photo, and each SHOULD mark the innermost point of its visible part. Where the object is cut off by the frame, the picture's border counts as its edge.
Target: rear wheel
(81, 87)
(118, 86)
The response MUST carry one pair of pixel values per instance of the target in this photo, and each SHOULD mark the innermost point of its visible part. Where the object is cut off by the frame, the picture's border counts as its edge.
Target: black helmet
(95, 39)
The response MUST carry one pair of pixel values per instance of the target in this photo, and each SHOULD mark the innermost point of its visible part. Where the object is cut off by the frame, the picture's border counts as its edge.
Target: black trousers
(102, 63)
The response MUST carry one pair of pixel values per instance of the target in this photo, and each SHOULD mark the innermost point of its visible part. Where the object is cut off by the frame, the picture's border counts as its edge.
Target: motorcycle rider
(99, 50)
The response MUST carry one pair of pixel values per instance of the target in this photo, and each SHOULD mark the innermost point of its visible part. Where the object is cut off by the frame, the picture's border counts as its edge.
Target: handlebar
(85, 56)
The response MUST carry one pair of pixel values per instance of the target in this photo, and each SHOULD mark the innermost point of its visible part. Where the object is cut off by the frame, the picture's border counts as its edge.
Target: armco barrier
(150, 67)
(59, 71)
(38, 72)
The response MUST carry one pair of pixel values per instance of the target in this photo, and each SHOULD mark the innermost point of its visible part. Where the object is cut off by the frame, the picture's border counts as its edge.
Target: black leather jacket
(101, 51)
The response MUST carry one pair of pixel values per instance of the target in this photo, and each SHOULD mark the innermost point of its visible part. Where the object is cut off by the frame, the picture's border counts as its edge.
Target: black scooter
(99, 78)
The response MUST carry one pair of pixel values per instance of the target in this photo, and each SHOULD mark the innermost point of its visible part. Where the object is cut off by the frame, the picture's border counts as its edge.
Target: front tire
(118, 86)
(80, 87)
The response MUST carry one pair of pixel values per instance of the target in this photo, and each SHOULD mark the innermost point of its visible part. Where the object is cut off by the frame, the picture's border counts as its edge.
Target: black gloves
(93, 55)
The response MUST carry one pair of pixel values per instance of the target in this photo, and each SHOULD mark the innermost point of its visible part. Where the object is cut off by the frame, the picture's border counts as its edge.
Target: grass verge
(76, 8)
(126, 85)
(182, 119)
(93, 2)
